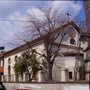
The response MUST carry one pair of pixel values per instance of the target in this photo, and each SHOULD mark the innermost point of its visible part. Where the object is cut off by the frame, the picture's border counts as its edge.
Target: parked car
(2, 87)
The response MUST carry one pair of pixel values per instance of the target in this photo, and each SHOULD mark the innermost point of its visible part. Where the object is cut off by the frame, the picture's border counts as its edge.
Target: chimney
(87, 13)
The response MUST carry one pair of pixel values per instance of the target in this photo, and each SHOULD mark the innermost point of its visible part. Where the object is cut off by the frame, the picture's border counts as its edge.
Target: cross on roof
(68, 15)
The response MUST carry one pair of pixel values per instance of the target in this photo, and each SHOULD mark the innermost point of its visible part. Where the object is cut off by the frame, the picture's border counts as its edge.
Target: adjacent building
(86, 39)
(1, 65)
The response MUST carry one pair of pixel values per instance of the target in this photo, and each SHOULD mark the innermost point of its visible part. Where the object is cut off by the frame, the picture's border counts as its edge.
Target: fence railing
(17, 78)
(26, 77)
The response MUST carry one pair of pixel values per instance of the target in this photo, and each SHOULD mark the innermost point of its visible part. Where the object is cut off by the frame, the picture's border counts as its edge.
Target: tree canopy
(27, 62)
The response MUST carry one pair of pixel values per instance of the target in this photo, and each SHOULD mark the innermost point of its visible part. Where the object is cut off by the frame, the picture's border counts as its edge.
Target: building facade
(64, 66)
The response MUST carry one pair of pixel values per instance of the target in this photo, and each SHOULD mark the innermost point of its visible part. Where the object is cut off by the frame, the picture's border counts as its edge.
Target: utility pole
(1, 59)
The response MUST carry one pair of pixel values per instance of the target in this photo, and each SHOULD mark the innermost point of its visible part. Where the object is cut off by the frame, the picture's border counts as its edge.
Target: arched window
(9, 69)
(9, 73)
(72, 41)
(9, 61)
(16, 58)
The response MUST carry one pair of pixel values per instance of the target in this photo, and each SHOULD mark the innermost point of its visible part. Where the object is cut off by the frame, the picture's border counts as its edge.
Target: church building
(63, 68)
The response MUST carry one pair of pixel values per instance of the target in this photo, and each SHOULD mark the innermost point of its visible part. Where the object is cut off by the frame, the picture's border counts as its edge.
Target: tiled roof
(38, 41)
(72, 54)
(85, 34)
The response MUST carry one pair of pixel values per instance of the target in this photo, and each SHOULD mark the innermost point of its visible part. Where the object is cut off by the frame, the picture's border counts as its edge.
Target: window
(71, 32)
(72, 41)
(16, 58)
(9, 70)
(1, 63)
(9, 73)
(70, 75)
(9, 60)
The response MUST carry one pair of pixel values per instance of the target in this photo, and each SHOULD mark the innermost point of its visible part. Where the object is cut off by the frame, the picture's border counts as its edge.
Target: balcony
(1, 69)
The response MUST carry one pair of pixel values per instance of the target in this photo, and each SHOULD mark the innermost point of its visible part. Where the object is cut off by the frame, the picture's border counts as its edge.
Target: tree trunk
(75, 75)
(34, 76)
(50, 72)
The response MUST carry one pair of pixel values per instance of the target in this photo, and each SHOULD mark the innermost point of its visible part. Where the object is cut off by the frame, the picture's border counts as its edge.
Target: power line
(13, 44)
(15, 20)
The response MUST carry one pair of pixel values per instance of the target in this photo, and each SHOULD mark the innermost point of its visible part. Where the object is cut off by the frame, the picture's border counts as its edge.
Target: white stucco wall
(35, 86)
(12, 59)
(67, 40)
(69, 62)
(60, 62)
(58, 65)
(70, 65)
(84, 44)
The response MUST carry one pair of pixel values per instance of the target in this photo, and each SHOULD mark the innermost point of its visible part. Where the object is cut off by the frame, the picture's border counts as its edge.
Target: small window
(70, 75)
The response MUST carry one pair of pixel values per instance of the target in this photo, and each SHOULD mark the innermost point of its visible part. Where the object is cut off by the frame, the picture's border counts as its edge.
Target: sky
(18, 10)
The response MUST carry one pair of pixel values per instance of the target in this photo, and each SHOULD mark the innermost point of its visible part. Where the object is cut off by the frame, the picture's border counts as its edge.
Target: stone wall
(47, 86)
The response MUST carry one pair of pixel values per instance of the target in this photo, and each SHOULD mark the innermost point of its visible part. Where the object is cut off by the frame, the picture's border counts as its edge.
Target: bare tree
(50, 29)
